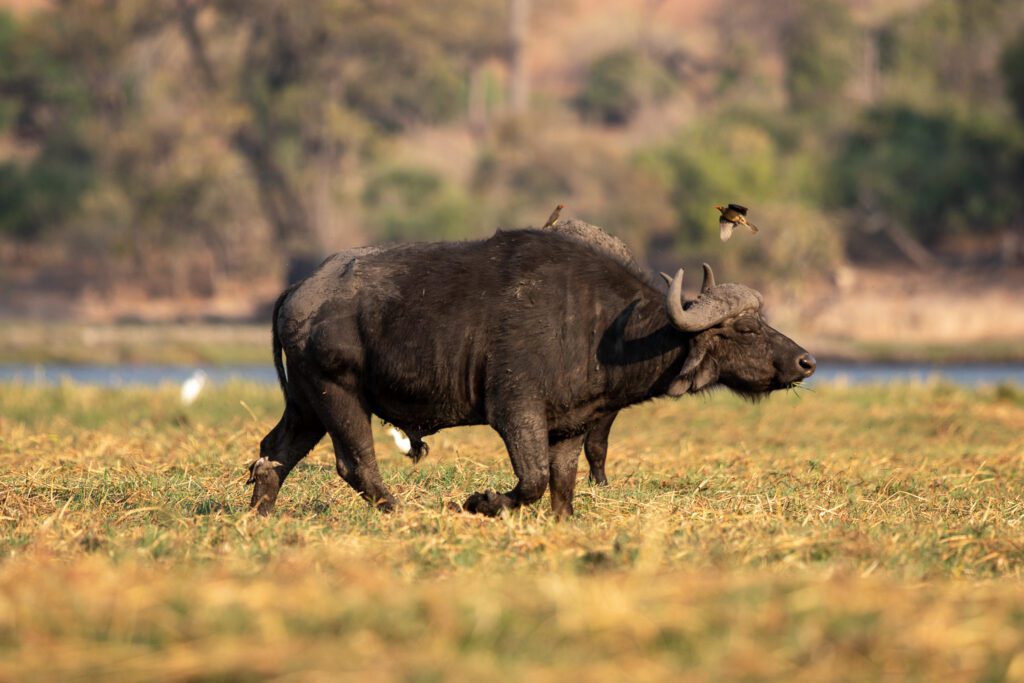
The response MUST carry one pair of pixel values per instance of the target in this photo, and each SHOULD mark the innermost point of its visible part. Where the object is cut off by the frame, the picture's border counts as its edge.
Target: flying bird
(733, 215)
(192, 387)
(553, 218)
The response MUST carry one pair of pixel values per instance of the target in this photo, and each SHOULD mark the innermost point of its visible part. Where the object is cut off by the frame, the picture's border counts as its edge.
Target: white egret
(192, 387)
(401, 440)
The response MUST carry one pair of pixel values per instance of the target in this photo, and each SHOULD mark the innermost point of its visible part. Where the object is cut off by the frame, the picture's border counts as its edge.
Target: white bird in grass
(191, 388)
(401, 440)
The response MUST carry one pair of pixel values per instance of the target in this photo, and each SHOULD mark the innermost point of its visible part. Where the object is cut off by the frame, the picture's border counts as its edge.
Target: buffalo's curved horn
(709, 279)
(711, 308)
(674, 301)
(668, 278)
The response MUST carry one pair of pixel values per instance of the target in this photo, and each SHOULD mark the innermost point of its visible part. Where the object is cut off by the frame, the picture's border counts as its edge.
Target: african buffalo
(595, 443)
(535, 334)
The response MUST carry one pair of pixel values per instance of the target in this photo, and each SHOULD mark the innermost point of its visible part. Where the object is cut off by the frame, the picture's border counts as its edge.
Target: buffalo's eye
(746, 326)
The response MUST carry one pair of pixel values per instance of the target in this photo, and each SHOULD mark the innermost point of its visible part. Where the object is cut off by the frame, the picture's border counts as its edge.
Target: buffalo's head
(731, 344)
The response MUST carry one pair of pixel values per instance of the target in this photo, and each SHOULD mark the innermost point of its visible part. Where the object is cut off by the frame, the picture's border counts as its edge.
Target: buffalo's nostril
(807, 364)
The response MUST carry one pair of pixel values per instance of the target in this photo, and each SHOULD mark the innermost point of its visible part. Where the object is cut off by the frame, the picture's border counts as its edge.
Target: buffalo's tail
(275, 336)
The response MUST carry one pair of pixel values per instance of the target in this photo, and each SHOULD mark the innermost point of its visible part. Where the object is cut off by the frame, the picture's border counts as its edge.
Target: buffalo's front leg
(526, 439)
(596, 447)
(565, 456)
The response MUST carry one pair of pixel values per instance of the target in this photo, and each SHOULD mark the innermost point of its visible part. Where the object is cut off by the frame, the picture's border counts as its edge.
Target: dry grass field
(840, 534)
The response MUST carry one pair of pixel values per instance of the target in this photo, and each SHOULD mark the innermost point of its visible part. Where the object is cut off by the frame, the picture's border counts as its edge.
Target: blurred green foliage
(818, 48)
(939, 173)
(258, 128)
(711, 161)
(618, 84)
(415, 204)
(946, 49)
(44, 105)
(1013, 73)
(521, 170)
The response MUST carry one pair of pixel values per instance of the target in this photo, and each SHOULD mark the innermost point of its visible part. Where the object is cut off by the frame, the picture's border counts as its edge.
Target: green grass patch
(873, 531)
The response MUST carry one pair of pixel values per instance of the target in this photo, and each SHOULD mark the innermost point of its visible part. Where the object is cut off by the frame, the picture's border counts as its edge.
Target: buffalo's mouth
(796, 371)
(756, 390)
(755, 395)
(751, 390)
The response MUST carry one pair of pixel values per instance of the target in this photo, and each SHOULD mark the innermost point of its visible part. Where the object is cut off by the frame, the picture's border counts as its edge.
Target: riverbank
(31, 343)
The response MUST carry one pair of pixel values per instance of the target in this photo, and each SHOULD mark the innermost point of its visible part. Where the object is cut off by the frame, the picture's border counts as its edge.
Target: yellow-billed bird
(733, 215)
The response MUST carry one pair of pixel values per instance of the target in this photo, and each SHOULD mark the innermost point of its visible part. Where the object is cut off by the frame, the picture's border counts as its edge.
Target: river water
(971, 375)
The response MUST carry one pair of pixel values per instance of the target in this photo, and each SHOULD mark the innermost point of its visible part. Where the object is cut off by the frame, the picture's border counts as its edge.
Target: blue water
(122, 375)
(971, 375)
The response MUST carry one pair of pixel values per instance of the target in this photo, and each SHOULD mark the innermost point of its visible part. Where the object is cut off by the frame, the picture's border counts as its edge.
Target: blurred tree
(766, 161)
(321, 80)
(934, 174)
(818, 47)
(948, 49)
(741, 156)
(1012, 65)
(415, 204)
(113, 125)
(43, 108)
(526, 170)
(618, 84)
(519, 75)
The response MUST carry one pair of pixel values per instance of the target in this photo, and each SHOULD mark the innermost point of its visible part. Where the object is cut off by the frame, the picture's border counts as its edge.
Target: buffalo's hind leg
(526, 439)
(286, 444)
(565, 457)
(348, 423)
(596, 448)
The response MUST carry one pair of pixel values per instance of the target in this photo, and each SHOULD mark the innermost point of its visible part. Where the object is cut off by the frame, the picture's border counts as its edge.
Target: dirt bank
(865, 314)
(901, 313)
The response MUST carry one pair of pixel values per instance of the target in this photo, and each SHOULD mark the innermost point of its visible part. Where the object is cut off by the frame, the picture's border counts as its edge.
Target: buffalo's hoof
(489, 503)
(252, 471)
(598, 479)
(266, 483)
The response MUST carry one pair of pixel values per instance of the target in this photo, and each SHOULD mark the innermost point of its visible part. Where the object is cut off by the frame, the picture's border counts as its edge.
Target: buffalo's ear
(696, 356)
(679, 386)
(705, 376)
(696, 374)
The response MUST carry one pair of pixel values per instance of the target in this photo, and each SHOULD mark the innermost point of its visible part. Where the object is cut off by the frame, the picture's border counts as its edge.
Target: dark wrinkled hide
(532, 333)
(595, 445)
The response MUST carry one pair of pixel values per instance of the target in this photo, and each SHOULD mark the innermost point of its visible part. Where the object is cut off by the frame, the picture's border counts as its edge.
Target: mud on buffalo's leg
(596, 447)
(565, 456)
(286, 444)
(526, 438)
(348, 423)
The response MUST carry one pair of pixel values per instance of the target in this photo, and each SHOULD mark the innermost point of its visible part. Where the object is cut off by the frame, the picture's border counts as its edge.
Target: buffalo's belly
(572, 421)
(424, 403)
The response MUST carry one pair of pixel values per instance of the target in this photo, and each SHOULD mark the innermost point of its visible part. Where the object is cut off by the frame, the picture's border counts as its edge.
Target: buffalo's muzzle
(807, 364)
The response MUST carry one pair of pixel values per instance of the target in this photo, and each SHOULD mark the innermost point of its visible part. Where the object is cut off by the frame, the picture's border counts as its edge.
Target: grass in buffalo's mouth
(860, 533)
